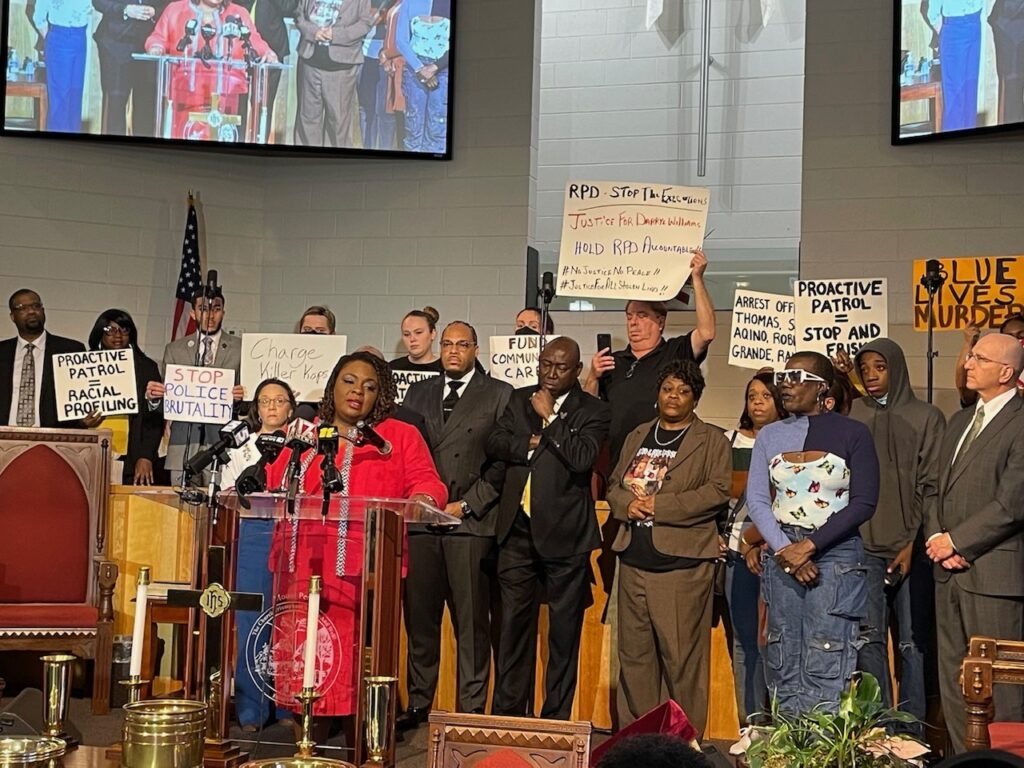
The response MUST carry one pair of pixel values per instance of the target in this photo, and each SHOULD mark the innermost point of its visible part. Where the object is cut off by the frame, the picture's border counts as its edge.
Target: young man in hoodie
(908, 436)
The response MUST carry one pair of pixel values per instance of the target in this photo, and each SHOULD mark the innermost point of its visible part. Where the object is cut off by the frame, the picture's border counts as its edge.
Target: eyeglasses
(36, 305)
(319, 331)
(795, 376)
(982, 359)
(115, 330)
(278, 401)
(462, 345)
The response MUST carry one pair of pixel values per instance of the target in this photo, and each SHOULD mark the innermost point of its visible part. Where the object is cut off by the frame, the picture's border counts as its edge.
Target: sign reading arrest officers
(763, 330)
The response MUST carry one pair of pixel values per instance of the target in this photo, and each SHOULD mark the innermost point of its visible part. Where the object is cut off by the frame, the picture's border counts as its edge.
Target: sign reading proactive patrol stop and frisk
(840, 315)
(514, 359)
(763, 330)
(102, 382)
(199, 395)
(629, 240)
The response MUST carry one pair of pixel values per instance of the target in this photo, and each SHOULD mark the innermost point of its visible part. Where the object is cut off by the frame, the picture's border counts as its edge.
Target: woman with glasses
(136, 438)
(275, 404)
(813, 482)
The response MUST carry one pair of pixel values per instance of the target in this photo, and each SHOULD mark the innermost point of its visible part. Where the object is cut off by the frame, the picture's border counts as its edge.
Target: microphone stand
(547, 294)
(198, 362)
(932, 281)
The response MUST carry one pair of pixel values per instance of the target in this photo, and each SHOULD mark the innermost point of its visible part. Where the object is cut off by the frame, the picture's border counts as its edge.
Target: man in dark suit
(461, 408)
(27, 398)
(548, 437)
(976, 530)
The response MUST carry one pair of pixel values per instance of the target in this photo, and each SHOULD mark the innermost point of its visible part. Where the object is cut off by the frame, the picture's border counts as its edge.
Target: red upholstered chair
(988, 662)
(55, 586)
(487, 741)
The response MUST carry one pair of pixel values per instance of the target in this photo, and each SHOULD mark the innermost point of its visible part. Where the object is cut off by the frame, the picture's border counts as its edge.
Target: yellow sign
(215, 600)
(982, 291)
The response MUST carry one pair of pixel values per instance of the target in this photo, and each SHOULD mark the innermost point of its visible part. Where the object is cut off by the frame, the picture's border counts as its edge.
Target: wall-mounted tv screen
(958, 67)
(348, 76)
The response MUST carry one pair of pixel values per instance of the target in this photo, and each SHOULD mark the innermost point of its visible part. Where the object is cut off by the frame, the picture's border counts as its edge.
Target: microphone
(190, 32)
(211, 289)
(327, 445)
(934, 276)
(208, 31)
(547, 287)
(253, 479)
(301, 437)
(368, 434)
(232, 435)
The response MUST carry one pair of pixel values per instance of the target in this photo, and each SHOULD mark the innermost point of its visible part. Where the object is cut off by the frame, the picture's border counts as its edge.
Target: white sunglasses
(795, 376)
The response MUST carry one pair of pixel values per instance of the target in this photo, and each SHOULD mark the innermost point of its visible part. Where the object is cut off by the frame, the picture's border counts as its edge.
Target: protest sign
(199, 395)
(87, 382)
(834, 315)
(763, 330)
(514, 359)
(629, 240)
(303, 360)
(982, 291)
(405, 379)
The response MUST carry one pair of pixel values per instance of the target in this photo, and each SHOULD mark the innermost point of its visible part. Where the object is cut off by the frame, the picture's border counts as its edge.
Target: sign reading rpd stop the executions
(198, 395)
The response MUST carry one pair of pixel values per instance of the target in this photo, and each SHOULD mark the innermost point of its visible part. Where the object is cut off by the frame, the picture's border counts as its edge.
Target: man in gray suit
(975, 533)
(461, 408)
(216, 350)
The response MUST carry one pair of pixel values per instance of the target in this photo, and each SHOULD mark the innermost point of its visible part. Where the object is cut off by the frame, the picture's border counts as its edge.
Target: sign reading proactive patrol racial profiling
(514, 359)
(196, 394)
(982, 291)
(88, 382)
(405, 379)
(840, 315)
(623, 240)
(763, 330)
(303, 360)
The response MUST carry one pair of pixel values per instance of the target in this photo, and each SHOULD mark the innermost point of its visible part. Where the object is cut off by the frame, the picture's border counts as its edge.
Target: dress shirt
(992, 409)
(19, 359)
(62, 13)
(937, 9)
(465, 383)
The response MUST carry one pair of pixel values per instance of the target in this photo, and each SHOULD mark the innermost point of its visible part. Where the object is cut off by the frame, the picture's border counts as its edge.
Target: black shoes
(412, 719)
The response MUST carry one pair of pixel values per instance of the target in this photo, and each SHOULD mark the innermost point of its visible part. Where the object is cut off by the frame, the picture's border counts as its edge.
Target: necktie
(451, 398)
(27, 390)
(527, 489)
(208, 350)
(972, 434)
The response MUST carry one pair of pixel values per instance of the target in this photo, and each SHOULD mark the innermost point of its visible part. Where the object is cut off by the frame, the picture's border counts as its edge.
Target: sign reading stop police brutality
(981, 291)
(514, 359)
(629, 240)
(199, 395)
(303, 360)
(102, 381)
(763, 330)
(834, 315)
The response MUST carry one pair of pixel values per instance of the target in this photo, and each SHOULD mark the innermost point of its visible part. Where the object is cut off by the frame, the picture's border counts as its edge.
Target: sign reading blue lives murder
(199, 395)
(623, 240)
(763, 330)
(842, 314)
(88, 382)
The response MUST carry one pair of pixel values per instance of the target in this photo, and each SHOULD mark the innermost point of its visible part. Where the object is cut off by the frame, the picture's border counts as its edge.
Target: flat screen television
(337, 76)
(958, 68)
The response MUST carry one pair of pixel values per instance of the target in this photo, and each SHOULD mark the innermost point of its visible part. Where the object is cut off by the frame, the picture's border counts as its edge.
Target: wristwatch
(466, 509)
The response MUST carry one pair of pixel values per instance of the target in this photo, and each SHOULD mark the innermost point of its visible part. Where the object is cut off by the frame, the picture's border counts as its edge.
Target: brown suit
(665, 617)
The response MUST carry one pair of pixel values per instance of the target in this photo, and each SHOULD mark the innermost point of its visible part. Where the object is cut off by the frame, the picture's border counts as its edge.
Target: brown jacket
(692, 495)
(346, 46)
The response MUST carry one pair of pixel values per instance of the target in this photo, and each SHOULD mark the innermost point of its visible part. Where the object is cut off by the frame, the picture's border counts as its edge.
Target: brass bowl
(30, 751)
(298, 762)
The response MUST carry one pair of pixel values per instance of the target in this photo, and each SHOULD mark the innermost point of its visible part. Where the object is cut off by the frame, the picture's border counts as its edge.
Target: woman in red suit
(359, 388)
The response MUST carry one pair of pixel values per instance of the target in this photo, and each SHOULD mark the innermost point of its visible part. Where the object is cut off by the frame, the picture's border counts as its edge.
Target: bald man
(546, 528)
(975, 533)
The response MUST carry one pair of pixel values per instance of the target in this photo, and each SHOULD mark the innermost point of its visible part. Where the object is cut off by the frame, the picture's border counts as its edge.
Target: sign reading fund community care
(304, 361)
(834, 315)
(763, 330)
(514, 359)
(629, 240)
(978, 291)
(199, 395)
(87, 382)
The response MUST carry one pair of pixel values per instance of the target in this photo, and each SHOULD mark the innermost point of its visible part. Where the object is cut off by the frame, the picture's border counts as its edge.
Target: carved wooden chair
(485, 741)
(56, 587)
(988, 662)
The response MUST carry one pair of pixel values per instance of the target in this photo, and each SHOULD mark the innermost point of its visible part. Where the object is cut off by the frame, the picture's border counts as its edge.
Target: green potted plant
(853, 737)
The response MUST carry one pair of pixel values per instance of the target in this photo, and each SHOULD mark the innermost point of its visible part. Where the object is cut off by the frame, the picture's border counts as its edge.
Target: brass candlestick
(304, 758)
(306, 745)
(134, 684)
(57, 695)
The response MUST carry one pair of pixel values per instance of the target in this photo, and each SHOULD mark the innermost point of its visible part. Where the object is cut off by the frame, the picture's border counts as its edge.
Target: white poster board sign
(103, 381)
(198, 395)
(763, 330)
(303, 360)
(514, 359)
(623, 240)
(842, 314)
(405, 379)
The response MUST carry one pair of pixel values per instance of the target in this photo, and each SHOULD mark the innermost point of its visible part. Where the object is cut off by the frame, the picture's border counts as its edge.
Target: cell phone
(604, 341)
(894, 578)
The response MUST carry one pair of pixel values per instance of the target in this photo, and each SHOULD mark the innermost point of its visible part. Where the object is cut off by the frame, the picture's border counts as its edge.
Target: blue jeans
(253, 575)
(911, 602)
(811, 650)
(426, 112)
(960, 54)
(65, 77)
(742, 589)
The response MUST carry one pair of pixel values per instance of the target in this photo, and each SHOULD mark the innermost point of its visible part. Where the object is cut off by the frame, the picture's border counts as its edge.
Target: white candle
(312, 622)
(139, 630)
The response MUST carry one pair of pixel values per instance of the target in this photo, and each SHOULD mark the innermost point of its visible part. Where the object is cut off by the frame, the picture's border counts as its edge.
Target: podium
(356, 545)
(224, 78)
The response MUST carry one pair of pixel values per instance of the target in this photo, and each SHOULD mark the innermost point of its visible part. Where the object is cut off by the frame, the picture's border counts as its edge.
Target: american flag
(190, 278)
